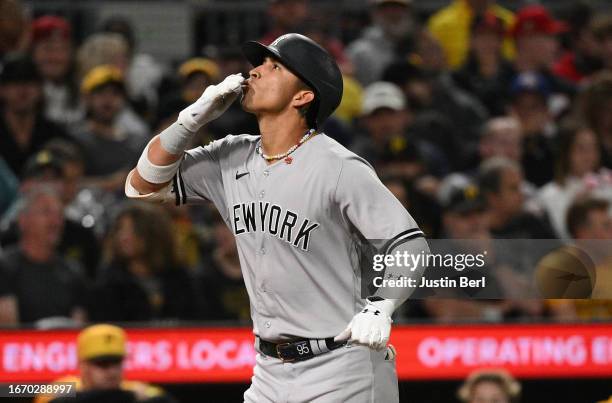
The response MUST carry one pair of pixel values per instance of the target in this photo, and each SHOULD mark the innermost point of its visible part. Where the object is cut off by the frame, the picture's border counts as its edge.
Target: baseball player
(298, 204)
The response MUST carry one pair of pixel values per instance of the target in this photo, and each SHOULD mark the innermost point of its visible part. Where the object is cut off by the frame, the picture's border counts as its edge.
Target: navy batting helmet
(311, 63)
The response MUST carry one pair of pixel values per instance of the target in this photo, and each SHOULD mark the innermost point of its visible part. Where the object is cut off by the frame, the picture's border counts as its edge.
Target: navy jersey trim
(401, 238)
(182, 187)
(179, 189)
(177, 201)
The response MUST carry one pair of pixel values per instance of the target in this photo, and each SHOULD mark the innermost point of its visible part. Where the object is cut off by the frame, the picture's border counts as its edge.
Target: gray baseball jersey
(296, 225)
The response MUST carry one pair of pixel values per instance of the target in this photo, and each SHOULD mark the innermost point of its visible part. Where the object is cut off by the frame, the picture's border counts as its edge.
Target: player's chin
(245, 107)
(247, 104)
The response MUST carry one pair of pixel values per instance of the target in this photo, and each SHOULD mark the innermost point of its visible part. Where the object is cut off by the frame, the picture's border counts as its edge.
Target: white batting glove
(371, 327)
(214, 101)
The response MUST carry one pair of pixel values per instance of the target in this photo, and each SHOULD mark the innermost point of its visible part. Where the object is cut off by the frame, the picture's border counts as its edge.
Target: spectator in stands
(589, 222)
(578, 155)
(428, 53)
(108, 149)
(41, 283)
(192, 238)
(463, 218)
(389, 35)
(23, 128)
(529, 104)
(103, 48)
(13, 28)
(79, 241)
(582, 58)
(451, 27)
(223, 291)
(422, 205)
(143, 74)
(593, 106)
(445, 115)
(52, 52)
(602, 30)
(142, 278)
(111, 49)
(101, 351)
(387, 143)
(501, 137)
(490, 386)
(589, 218)
(39, 169)
(537, 44)
(500, 182)
(536, 33)
(53, 165)
(485, 68)
(285, 16)
(465, 214)
(466, 230)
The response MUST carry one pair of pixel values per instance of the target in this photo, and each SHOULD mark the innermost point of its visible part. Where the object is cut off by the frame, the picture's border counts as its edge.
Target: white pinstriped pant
(352, 374)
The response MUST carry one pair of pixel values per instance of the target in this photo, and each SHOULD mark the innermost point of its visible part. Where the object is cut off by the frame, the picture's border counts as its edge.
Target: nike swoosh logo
(238, 176)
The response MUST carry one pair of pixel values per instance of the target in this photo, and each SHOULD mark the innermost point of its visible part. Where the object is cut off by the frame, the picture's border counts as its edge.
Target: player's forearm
(158, 155)
(160, 159)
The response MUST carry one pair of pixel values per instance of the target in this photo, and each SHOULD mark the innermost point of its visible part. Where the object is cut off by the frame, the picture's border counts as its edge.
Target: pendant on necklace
(288, 160)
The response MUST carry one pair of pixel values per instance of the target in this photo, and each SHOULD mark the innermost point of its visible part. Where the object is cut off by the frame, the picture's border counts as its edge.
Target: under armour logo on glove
(376, 312)
(371, 326)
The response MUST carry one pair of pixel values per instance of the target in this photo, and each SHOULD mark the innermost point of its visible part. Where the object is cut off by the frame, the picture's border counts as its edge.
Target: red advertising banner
(196, 355)
(527, 351)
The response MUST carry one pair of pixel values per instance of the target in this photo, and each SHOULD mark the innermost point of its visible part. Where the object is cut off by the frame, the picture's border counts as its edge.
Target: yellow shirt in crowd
(451, 27)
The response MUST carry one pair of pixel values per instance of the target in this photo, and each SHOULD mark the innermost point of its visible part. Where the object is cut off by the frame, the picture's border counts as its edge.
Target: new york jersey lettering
(273, 219)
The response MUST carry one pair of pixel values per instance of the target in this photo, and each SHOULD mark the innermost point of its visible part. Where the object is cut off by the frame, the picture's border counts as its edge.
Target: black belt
(298, 350)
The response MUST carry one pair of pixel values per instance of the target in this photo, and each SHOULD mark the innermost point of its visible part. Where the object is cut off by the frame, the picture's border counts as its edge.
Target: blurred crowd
(485, 123)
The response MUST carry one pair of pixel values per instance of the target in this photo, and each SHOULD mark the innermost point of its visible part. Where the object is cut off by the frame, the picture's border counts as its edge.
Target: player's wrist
(186, 119)
(386, 306)
(176, 138)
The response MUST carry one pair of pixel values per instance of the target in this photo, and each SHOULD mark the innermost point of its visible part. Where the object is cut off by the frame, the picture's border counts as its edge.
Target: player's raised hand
(214, 101)
(370, 327)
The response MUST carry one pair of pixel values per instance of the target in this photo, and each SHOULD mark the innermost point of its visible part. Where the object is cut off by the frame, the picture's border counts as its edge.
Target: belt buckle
(281, 345)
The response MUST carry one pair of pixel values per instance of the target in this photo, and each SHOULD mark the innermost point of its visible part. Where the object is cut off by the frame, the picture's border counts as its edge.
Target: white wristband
(156, 173)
